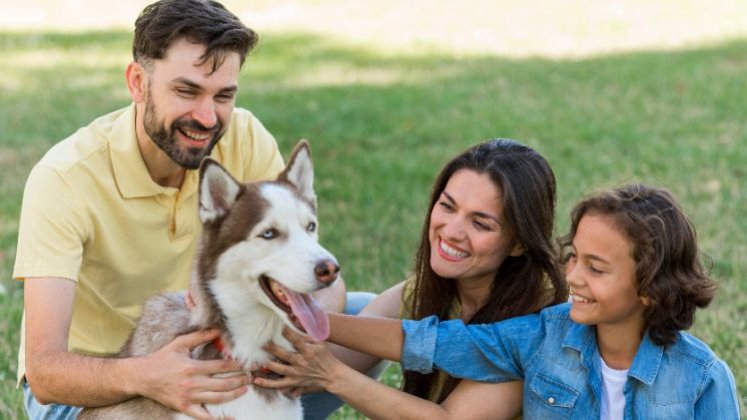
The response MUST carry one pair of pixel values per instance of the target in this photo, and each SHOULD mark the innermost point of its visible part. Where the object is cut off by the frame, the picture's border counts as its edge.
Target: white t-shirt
(613, 399)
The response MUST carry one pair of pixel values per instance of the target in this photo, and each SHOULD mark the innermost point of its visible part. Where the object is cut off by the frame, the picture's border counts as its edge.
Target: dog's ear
(218, 191)
(300, 172)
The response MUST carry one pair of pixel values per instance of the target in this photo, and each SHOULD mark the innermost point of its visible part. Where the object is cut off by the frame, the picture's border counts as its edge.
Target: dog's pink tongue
(309, 314)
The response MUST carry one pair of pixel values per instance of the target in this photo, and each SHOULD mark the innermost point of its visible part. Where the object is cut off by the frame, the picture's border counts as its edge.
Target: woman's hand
(311, 367)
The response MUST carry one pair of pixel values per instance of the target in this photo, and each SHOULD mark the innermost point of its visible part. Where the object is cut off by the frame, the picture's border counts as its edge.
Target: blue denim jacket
(559, 362)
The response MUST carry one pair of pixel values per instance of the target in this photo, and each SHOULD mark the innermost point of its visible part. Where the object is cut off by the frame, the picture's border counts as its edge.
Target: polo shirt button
(551, 400)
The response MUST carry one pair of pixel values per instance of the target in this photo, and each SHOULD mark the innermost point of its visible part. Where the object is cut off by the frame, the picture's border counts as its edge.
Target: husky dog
(257, 260)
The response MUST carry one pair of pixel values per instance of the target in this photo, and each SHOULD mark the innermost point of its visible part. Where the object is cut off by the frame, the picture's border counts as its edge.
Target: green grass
(382, 124)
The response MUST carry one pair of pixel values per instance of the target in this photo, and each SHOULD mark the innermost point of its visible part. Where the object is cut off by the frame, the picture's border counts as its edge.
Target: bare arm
(379, 337)
(313, 365)
(385, 305)
(169, 376)
(479, 400)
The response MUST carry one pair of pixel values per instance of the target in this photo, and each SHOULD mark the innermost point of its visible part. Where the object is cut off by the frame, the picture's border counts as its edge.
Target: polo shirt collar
(130, 172)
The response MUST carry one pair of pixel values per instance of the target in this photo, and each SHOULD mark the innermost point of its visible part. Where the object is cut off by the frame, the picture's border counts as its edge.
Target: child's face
(601, 274)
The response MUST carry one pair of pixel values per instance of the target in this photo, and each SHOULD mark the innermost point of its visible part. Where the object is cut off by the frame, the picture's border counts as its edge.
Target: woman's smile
(450, 252)
(466, 233)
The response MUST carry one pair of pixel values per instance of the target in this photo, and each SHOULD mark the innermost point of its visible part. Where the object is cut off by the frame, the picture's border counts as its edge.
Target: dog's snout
(326, 271)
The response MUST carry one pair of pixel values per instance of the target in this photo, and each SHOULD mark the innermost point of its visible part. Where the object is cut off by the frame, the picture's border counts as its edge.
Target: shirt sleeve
(720, 394)
(52, 228)
(494, 352)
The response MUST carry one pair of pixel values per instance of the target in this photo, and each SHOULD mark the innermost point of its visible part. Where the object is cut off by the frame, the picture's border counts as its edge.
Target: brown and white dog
(257, 260)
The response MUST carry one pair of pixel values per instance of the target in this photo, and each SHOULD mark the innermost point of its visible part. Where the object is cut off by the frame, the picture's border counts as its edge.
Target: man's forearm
(380, 337)
(74, 379)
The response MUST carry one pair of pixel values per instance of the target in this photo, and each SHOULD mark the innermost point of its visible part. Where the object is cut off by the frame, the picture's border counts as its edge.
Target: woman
(485, 254)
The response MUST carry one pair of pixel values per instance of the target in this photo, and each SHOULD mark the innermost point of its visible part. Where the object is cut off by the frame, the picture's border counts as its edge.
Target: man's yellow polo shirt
(92, 214)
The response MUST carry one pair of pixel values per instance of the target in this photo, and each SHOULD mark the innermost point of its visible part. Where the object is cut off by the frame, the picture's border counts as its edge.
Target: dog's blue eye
(271, 233)
(311, 227)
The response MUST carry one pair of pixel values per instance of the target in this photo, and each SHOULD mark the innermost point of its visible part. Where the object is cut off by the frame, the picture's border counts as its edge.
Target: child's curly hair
(664, 247)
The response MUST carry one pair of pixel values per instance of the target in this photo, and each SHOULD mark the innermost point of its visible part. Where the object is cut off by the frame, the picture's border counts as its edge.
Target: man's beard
(165, 138)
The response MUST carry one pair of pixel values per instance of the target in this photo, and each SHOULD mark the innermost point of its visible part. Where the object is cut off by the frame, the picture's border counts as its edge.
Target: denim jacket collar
(582, 338)
(647, 361)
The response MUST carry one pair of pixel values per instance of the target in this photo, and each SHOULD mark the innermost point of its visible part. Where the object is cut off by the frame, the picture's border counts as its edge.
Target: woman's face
(467, 233)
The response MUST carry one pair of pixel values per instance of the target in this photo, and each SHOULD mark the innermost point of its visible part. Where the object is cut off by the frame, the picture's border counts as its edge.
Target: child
(617, 350)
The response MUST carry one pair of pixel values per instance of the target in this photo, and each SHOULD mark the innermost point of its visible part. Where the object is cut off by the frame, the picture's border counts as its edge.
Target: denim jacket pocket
(549, 398)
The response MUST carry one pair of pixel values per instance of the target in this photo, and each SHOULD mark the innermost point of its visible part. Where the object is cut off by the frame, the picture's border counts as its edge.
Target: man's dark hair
(204, 22)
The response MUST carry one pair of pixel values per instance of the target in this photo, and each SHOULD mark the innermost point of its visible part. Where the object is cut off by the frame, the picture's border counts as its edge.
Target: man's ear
(645, 300)
(135, 76)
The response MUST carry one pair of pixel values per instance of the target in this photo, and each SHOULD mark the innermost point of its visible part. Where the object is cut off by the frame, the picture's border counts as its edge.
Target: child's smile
(601, 276)
(580, 299)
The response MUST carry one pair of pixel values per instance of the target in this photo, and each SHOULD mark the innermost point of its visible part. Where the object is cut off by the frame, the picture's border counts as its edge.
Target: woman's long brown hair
(523, 284)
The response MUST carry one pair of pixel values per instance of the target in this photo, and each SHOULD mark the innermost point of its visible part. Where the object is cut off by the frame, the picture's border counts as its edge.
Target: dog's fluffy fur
(257, 259)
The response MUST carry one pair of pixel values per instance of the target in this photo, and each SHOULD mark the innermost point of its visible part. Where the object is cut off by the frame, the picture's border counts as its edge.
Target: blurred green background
(387, 91)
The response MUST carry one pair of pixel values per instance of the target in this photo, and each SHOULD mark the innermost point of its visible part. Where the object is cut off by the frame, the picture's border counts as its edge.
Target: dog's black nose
(326, 271)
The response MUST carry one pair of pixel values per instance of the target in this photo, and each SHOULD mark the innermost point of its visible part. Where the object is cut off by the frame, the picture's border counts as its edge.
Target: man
(109, 218)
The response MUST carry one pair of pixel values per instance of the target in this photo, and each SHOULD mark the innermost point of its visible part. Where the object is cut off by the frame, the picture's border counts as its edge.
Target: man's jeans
(316, 406)
(37, 411)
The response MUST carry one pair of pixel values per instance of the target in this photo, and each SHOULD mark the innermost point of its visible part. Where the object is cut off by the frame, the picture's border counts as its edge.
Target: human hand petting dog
(171, 377)
(312, 366)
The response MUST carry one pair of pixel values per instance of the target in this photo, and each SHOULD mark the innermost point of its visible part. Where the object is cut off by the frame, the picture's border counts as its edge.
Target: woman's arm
(493, 352)
(313, 365)
(481, 400)
(379, 337)
(386, 305)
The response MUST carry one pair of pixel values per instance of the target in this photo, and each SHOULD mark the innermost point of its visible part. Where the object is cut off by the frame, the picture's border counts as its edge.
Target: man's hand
(172, 378)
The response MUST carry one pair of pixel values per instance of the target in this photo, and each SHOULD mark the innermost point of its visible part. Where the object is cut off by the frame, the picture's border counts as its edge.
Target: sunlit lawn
(382, 120)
